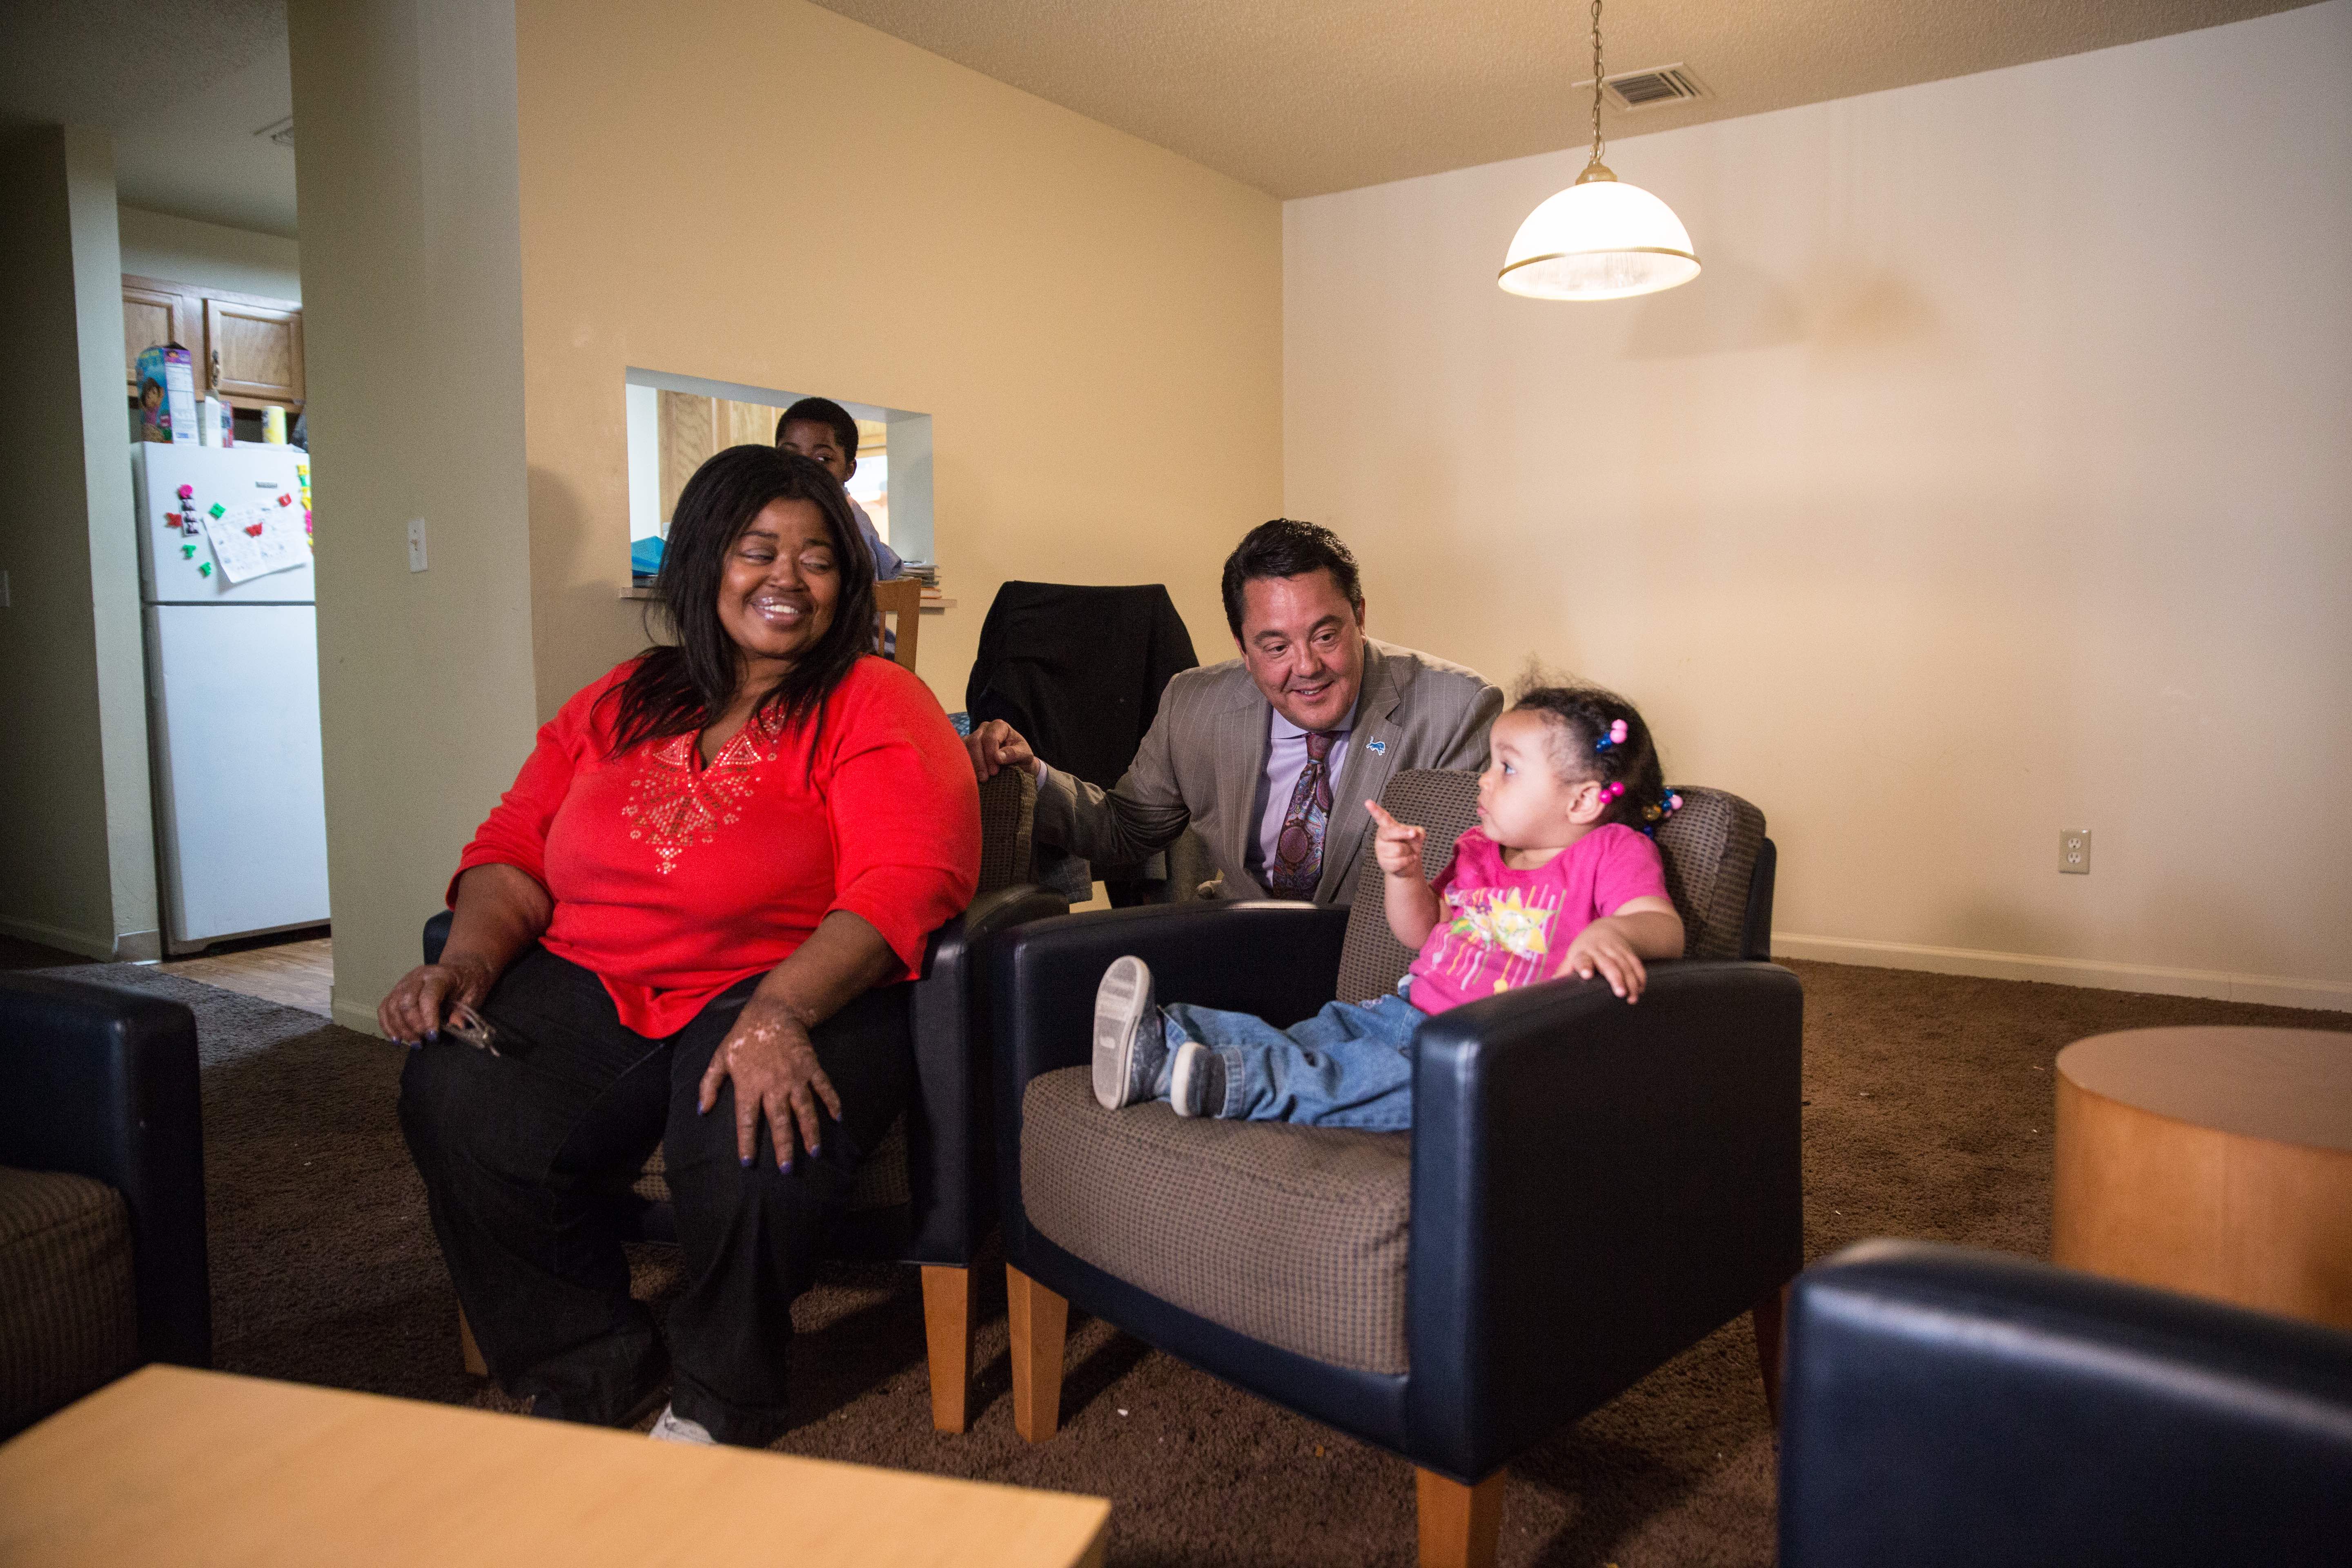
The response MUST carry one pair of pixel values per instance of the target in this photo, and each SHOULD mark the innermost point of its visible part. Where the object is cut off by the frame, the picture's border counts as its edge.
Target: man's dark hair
(1289, 548)
(823, 411)
(678, 688)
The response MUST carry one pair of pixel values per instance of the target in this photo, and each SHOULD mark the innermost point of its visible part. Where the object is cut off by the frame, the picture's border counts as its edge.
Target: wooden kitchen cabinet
(155, 313)
(247, 349)
(252, 353)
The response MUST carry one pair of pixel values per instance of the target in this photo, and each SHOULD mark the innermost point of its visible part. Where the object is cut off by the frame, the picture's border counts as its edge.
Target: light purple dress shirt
(1285, 759)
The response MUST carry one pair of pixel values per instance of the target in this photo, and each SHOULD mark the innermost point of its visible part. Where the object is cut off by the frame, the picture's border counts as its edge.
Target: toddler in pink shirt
(1560, 876)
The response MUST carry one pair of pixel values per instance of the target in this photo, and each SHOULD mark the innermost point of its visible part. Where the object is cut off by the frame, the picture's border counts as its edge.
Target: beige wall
(757, 193)
(1992, 478)
(77, 836)
(412, 328)
(210, 254)
(758, 190)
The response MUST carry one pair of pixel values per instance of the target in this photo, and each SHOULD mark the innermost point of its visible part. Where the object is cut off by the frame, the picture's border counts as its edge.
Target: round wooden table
(2215, 1162)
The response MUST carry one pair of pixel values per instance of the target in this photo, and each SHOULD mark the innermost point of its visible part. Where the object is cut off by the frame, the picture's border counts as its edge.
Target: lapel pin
(1377, 748)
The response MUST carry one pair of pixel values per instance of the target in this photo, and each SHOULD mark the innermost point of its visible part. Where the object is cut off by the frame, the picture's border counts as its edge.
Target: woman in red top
(688, 924)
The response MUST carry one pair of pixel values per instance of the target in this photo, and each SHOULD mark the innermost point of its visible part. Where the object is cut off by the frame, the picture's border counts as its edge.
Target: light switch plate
(2074, 851)
(416, 545)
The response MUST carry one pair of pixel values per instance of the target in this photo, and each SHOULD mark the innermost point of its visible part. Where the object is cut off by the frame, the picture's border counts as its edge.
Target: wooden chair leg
(947, 1328)
(1040, 1321)
(1769, 1318)
(1459, 1525)
(475, 1365)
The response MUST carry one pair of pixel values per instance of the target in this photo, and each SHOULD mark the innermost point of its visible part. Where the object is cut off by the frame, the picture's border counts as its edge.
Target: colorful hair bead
(1611, 790)
(1616, 737)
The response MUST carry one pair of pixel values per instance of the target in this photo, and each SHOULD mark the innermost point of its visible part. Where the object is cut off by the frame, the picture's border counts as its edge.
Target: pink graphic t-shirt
(1500, 928)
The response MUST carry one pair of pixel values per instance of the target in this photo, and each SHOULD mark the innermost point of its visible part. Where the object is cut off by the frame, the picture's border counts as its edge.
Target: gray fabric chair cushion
(1008, 816)
(1443, 800)
(1709, 847)
(69, 1309)
(1293, 1236)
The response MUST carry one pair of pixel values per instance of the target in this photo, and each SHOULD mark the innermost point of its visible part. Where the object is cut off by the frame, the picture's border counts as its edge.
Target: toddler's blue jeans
(1349, 1066)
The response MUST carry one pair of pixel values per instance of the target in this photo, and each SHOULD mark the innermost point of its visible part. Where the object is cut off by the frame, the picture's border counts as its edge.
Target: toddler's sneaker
(1197, 1086)
(672, 1427)
(1130, 1044)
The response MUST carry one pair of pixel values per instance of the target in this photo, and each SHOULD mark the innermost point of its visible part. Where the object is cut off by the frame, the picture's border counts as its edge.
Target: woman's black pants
(526, 1156)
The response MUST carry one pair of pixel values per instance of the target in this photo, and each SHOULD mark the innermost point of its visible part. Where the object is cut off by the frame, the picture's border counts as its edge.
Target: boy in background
(820, 428)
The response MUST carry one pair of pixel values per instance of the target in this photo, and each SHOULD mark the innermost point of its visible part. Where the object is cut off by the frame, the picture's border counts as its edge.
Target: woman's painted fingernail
(433, 1034)
(747, 1161)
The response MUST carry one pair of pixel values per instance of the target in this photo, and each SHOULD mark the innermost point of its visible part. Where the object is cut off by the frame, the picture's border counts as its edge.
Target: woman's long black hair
(678, 688)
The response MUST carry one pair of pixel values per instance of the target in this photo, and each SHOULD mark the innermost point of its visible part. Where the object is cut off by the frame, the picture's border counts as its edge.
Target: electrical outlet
(2074, 851)
(416, 545)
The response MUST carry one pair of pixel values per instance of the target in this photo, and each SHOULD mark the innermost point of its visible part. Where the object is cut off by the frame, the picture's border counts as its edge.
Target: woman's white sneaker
(669, 1427)
(1129, 1042)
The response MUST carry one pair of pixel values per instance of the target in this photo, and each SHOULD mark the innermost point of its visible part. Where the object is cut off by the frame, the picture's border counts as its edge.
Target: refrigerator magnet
(285, 500)
(204, 568)
(187, 552)
(216, 509)
(187, 492)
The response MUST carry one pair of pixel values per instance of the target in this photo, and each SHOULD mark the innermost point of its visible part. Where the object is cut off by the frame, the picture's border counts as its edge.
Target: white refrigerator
(232, 690)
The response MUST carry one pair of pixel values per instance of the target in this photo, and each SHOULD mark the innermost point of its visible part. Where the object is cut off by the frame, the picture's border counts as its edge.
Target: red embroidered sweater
(674, 880)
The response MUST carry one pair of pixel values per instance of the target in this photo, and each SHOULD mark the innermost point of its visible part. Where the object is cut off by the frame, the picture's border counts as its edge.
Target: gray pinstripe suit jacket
(1202, 763)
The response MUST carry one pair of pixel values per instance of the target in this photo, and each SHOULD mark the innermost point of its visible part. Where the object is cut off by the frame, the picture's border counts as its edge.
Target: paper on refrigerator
(252, 542)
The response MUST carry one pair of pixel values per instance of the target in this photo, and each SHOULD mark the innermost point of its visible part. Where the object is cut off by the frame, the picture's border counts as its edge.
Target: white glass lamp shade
(1598, 239)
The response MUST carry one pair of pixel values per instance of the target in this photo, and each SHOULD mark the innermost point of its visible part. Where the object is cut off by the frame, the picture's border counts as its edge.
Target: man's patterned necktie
(1299, 852)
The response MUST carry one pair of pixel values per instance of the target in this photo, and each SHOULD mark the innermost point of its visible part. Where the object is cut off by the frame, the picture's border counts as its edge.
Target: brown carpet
(1929, 1114)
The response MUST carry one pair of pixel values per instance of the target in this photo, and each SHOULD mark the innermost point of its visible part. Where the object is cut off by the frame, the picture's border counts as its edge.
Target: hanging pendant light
(1600, 238)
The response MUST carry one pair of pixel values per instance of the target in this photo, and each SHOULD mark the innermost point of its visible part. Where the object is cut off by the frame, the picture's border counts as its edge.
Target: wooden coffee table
(2216, 1162)
(173, 1466)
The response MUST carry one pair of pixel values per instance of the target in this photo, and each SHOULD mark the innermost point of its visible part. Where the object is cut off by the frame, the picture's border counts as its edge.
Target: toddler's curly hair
(1580, 717)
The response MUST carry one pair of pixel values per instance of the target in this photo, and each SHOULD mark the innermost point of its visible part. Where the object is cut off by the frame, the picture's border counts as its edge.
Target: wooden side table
(2216, 1162)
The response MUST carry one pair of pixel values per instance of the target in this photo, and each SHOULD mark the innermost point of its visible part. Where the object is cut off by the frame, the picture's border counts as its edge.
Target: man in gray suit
(1270, 756)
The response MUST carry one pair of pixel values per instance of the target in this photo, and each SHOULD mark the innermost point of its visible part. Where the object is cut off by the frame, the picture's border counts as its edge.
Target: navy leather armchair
(102, 1133)
(1951, 1406)
(1589, 1188)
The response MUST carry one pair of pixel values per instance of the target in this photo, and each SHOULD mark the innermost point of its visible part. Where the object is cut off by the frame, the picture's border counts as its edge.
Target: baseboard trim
(81, 943)
(139, 947)
(351, 1015)
(2272, 990)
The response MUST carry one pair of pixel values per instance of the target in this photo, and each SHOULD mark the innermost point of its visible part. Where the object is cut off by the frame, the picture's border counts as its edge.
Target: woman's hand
(768, 1056)
(1395, 844)
(499, 911)
(414, 1010)
(1605, 948)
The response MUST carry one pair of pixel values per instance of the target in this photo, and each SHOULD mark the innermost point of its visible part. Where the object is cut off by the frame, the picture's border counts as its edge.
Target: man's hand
(777, 1079)
(1606, 948)
(1396, 845)
(996, 745)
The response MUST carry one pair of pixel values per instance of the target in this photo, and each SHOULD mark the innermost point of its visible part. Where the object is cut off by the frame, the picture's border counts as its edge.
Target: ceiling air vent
(1648, 88)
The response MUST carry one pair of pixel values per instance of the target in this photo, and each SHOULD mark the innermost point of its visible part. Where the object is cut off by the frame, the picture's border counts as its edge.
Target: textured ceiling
(181, 84)
(1300, 96)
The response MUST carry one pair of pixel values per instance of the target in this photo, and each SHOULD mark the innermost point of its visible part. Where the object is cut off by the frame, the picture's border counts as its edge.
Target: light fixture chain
(1597, 143)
